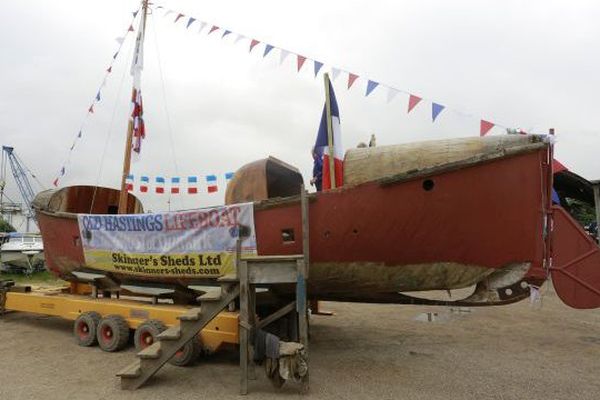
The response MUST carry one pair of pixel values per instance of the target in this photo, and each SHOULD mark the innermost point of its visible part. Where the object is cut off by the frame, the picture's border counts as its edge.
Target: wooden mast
(124, 194)
(331, 165)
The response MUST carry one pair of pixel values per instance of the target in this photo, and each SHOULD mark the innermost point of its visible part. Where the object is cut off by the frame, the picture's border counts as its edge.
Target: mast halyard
(135, 126)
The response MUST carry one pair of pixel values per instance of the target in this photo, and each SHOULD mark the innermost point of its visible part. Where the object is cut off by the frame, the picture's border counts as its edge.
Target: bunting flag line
(97, 98)
(159, 183)
(371, 84)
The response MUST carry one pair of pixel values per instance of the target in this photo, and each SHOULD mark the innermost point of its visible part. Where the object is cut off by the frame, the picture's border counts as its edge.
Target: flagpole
(128, 142)
(331, 165)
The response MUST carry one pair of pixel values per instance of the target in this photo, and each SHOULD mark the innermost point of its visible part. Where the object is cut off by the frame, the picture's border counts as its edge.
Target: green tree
(5, 226)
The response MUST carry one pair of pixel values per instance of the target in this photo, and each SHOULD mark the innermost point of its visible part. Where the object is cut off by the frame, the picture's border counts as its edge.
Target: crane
(19, 172)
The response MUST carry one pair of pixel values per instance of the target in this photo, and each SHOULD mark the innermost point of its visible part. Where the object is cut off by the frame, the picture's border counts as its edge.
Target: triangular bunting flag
(238, 38)
(79, 134)
(351, 79)
(436, 109)
(98, 96)
(190, 21)
(334, 73)
(301, 60)
(91, 109)
(180, 15)
(135, 13)
(62, 171)
(115, 55)
(413, 101)
(268, 49)
(109, 69)
(130, 28)
(55, 182)
(253, 43)
(120, 39)
(72, 146)
(371, 85)
(202, 26)
(214, 28)
(318, 66)
(283, 56)
(167, 12)
(485, 127)
(225, 34)
(391, 94)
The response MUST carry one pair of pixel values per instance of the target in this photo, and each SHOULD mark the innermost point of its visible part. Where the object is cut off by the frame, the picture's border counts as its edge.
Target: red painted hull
(378, 239)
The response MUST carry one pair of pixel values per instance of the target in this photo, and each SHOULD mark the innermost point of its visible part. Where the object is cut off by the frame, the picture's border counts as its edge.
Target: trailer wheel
(113, 333)
(147, 332)
(85, 328)
(186, 355)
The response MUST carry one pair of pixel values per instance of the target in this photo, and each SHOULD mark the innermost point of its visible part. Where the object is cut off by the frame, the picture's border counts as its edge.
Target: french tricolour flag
(144, 181)
(322, 143)
(192, 184)
(175, 185)
(211, 181)
(160, 185)
(129, 183)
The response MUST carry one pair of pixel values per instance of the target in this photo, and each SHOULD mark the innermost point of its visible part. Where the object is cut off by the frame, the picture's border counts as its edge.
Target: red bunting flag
(109, 70)
(91, 109)
(253, 43)
(130, 28)
(412, 102)
(485, 127)
(178, 17)
(214, 28)
(301, 60)
(55, 182)
(351, 78)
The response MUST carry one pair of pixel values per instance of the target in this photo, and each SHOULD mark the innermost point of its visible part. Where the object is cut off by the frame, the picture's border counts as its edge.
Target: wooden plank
(244, 333)
(276, 315)
(274, 259)
(260, 273)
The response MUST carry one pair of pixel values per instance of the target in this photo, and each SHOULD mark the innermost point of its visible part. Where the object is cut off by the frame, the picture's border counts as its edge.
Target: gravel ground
(363, 352)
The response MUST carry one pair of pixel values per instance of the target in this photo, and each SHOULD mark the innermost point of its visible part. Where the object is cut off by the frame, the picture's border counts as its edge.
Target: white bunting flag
(334, 73)
(391, 94)
(202, 25)
(168, 12)
(120, 40)
(283, 56)
(238, 38)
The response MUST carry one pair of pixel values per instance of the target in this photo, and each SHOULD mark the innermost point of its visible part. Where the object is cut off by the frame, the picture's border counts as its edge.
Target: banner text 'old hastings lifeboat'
(192, 244)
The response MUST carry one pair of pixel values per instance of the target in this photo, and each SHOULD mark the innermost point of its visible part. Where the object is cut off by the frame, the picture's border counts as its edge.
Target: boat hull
(446, 230)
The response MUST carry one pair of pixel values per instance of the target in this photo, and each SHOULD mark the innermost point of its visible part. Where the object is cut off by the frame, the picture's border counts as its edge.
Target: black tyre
(187, 354)
(112, 333)
(147, 332)
(85, 328)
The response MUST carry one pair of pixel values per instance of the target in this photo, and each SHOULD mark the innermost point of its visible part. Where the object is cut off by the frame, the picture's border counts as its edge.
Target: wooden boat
(438, 215)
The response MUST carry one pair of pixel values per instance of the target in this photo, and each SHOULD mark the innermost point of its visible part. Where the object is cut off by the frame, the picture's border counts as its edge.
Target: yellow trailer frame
(58, 302)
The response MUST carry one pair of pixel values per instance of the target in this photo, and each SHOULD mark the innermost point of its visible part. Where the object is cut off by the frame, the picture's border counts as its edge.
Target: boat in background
(23, 252)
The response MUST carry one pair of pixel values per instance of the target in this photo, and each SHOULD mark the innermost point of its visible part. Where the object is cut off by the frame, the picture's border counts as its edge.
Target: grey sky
(528, 64)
